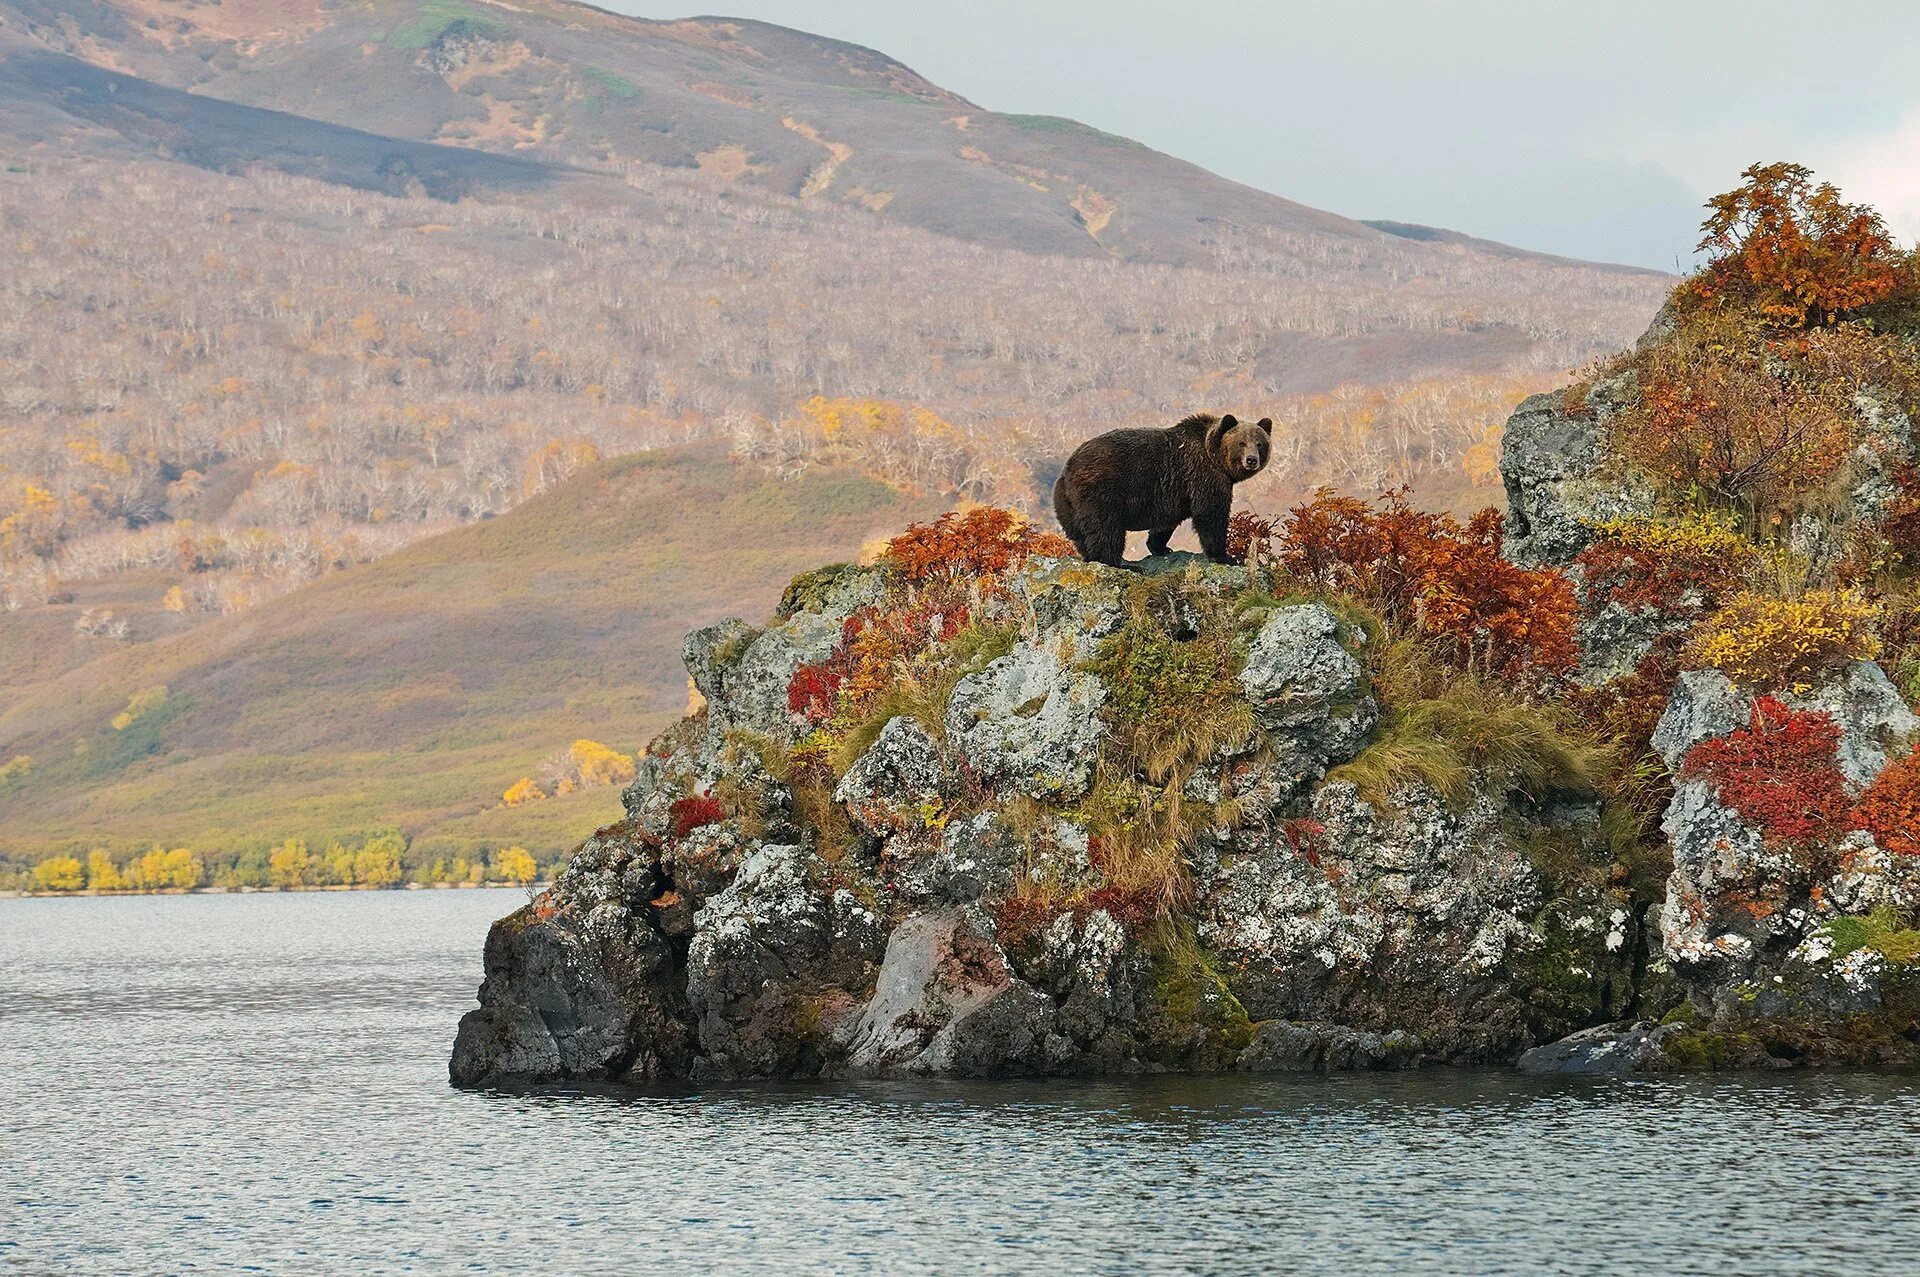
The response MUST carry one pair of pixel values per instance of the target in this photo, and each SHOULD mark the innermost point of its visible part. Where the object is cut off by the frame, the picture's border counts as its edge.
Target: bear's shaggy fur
(1133, 480)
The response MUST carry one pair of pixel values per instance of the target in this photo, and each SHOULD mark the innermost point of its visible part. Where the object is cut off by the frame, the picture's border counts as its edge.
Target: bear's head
(1240, 449)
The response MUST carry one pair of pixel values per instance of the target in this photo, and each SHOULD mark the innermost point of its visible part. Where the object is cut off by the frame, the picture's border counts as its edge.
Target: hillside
(761, 106)
(287, 288)
(411, 691)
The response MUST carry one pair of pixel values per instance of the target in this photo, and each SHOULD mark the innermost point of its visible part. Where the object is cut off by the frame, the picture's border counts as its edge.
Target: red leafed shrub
(1890, 809)
(1780, 772)
(1249, 534)
(693, 811)
(1681, 568)
(1133, 908)
(814, 688)
(1307, 838)
(875, 648)
(1429, 573)
(985, 541)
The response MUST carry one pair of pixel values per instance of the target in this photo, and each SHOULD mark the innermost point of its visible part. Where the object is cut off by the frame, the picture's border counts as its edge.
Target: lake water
(258, 1083)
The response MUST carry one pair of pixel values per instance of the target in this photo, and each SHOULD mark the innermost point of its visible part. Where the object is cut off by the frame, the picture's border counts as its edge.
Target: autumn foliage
(876, 647)
(1793, 252)
(1780, 772)
(693, 812)
(985, 541)
(1429, 574)
(1890, 809)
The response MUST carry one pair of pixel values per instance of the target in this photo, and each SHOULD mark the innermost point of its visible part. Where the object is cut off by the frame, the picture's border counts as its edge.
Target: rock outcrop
(949, 895)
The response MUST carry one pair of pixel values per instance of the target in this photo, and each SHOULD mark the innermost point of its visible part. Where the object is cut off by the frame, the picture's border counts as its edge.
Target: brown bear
(1132, 480)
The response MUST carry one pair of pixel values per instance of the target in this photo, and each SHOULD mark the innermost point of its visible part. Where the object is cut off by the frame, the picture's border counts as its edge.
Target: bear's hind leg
(1157, 540)
(1102, 541)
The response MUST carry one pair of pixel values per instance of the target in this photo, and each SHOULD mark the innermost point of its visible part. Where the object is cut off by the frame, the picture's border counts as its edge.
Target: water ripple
(219, 1084)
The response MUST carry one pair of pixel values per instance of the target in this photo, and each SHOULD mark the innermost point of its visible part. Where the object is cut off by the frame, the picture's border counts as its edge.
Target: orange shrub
(985, 541)
(1427, 573)
(1716, 415)
(1890, 809)
(1794, 253)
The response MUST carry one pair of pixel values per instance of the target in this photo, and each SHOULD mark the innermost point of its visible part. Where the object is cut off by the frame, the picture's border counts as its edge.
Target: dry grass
(1455, 732)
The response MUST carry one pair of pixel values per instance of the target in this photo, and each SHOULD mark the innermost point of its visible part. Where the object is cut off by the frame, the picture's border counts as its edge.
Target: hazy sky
(1589, 129)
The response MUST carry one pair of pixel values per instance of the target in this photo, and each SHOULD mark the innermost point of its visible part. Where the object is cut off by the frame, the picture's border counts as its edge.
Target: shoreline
(272, 891)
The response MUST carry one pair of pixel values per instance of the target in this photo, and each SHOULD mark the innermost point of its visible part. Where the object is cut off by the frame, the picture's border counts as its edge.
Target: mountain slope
(750, 103)
(411, 691)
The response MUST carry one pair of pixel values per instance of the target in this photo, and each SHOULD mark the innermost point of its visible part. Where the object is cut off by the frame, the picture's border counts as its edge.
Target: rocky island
(1625, 781)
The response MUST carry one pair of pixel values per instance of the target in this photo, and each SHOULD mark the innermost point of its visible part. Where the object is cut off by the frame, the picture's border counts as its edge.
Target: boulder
(947, 1003)
(1308, 691)
(1028, 724)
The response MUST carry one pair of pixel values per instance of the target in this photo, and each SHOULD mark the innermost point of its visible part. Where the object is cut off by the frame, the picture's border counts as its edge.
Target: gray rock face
(775, 939)
(1028, 724)
(1308, 690)
(947, 1003)
(1552, 461)
(896, 785)
(1607, 1050)
(578, 987)
(1418, 916)
(1282, 1046)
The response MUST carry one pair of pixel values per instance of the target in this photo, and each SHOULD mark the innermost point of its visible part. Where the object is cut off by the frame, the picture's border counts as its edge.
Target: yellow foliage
(161, 869)
(16, 767)
(599, 765)
(58, 873)
(1699, 536)
(522, 792)
(289, 865)
(102, 873)
(1766, 644)
(376, 865)
(514, 864)
(139, 705)
(175, 600)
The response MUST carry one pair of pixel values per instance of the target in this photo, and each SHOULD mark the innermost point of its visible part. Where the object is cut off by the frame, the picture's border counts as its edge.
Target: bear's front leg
(1157, 540)
(1210, 525)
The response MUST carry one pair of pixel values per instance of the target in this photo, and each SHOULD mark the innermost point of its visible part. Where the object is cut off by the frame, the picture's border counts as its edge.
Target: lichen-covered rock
(1558, 482)
(1028, 723)
(774, 959)
(896, 784)
(1418, 917)
(1283, 1046)
(1608, 1050)
(947, 1003)
(1019, 891)
(1308, 691)
(579, 984)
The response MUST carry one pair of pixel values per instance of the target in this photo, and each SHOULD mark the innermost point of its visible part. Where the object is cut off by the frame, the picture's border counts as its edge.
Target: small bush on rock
(982, 542)
(1780, 773)
(1764, 643)
(1427, 574)
(1678, 567)
(1793, 252)
(1890, 809)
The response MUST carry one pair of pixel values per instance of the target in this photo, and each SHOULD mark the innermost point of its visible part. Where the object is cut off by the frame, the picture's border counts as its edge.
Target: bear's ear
(1228, 421)
(1266, 424)
(1217, 432)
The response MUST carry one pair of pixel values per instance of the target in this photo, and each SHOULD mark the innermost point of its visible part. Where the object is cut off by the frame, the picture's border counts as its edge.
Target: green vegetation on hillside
(410, 693)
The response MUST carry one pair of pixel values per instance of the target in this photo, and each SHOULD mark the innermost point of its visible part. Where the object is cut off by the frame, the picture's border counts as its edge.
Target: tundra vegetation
(1660, 775)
